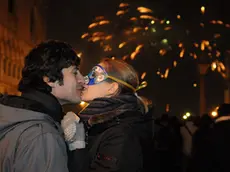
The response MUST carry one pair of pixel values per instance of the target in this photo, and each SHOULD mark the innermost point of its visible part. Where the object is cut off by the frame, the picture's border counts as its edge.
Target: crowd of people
(199, 143)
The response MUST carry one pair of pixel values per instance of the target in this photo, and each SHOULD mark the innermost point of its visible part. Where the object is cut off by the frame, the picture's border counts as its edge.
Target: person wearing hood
(118, 122)
(31, 138)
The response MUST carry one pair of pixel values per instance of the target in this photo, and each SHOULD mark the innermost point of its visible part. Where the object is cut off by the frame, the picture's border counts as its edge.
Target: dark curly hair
(47, 59)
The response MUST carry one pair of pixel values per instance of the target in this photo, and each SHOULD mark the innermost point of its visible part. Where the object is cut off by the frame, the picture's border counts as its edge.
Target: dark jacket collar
(47, 101)
(35, 100)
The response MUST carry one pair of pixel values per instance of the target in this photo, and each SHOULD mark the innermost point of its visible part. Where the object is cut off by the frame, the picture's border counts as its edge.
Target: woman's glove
(74, 131)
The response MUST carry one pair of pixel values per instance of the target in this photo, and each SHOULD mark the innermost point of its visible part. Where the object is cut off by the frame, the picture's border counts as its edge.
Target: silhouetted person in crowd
(211, 152)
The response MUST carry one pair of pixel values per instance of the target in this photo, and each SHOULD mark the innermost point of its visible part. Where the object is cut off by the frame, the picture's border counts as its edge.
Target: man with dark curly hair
(31, 139)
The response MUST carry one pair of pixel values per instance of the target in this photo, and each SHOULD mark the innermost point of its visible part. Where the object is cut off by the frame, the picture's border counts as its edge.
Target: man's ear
(113, 88)
(51, 84)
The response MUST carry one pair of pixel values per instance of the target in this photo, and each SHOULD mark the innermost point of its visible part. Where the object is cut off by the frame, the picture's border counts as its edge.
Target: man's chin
(64, 102)
(69, 101)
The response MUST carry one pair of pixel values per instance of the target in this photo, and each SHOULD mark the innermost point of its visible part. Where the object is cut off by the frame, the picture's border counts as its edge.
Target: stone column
(202, 71)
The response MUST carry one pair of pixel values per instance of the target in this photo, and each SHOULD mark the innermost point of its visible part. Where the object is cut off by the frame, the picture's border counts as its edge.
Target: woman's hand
(74, 131)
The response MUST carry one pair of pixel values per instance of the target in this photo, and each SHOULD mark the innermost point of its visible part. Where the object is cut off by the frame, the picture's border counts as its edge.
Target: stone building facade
(22, 26)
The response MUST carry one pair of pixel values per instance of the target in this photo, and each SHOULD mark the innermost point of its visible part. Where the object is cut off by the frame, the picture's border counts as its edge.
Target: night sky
(67, 20)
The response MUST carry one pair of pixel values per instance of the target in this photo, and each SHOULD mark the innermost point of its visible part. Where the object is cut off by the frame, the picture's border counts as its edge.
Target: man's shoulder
(23, 121)
(26, 133)
(36, 128)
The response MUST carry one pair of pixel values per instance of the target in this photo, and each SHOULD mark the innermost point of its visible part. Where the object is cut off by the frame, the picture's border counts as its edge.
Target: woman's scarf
(101, 110)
